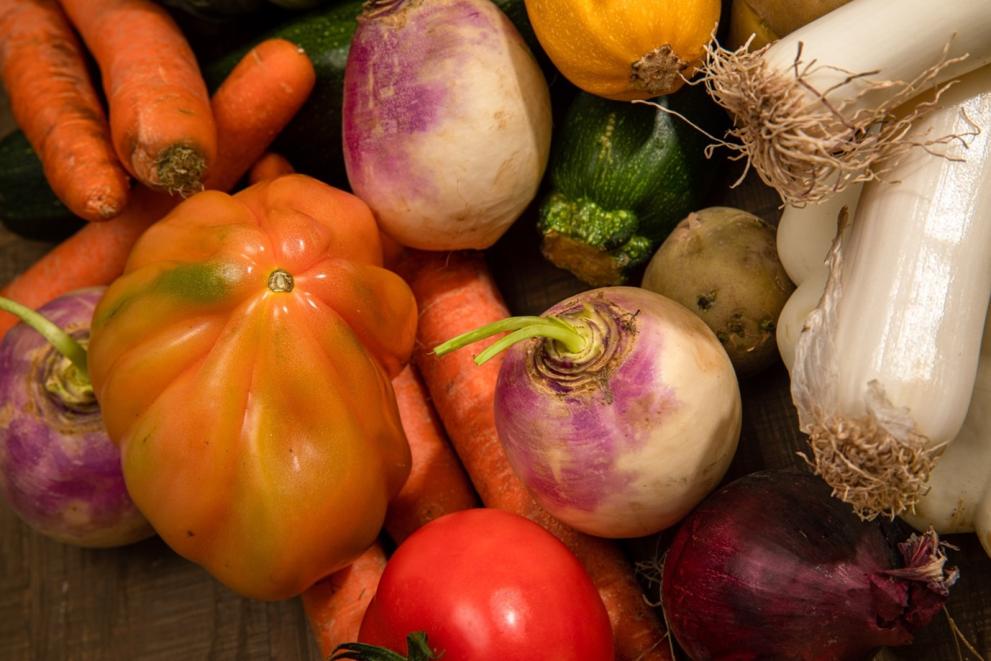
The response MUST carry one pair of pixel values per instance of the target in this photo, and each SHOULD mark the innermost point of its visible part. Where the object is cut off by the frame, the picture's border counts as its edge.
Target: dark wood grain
(144, 602)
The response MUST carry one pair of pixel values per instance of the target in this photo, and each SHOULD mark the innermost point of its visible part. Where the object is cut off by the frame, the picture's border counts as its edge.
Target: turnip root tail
(807, 142)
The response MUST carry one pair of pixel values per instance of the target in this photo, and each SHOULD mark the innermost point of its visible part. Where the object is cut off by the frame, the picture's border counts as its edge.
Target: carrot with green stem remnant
(54, 102)
(276, 77)
(160, 117)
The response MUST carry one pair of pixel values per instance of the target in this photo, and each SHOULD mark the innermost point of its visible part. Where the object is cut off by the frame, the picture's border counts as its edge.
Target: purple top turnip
(59, 471)
(619, 409)
(446, 121)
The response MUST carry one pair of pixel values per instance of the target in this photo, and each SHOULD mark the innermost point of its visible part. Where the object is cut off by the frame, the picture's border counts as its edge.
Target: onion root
(868, 466)
(809, 143)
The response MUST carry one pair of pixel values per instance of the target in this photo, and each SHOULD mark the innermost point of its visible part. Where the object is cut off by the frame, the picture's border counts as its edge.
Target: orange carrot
(54, 102)
(264, 90)
(455, 294)
(437, 485)
(160, 119)
(269, 166)
(276, 77)
(335, 605)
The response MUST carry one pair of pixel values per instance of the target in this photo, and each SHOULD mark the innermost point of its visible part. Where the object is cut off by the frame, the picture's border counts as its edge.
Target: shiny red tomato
(488, 585)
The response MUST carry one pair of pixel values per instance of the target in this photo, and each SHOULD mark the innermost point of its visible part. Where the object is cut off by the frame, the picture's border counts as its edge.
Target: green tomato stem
(524, 327)
(416, 647)
(64, 343)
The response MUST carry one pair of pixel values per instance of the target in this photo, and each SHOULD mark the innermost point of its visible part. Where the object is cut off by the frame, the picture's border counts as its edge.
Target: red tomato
(487, 585)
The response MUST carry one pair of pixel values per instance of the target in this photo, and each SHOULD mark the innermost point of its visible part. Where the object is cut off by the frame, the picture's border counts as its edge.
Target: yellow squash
(624, 49)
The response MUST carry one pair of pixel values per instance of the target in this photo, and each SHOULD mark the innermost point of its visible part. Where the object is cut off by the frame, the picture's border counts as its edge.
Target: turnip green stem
(64, 343)
(524, 327)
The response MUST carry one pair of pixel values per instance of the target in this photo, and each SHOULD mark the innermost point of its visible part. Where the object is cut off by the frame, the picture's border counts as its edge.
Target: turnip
(446, 121)
(619, 409)
(59, 471)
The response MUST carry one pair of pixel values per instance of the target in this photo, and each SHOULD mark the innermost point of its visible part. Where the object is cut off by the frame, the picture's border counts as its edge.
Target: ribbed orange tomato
(624, 49)
(243, 364)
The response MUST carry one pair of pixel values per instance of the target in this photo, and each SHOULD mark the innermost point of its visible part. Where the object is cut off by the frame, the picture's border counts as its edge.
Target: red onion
(773, 567)
(59, 471)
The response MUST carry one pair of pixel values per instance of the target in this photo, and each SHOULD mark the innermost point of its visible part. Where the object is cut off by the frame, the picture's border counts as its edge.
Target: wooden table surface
(143, 602)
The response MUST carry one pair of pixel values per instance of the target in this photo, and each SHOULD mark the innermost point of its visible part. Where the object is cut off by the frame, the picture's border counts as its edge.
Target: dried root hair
(180, 170)
(802, 141)
(868, 467)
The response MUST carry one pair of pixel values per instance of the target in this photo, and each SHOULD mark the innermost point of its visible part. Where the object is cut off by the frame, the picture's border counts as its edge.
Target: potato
(721, 263)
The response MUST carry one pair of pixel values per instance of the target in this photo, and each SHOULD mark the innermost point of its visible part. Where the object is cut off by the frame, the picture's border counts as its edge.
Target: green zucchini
(28, 207)
(215, 8)
(621, 177)
(220, 9)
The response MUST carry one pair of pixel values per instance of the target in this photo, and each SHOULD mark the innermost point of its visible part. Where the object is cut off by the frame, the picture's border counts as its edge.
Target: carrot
(437, 485)
(335, 605)
(265, 90)
(269, 166)
(455, 293)
(160, 118)
(276, 77)
(54, 102)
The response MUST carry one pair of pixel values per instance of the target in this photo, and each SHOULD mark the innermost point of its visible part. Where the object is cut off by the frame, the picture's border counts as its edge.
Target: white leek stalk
(959, 497)
(804, 106)
(885, 365)
(803, 240)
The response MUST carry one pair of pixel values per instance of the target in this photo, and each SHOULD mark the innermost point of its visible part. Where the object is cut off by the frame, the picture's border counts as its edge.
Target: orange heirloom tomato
(243, 365)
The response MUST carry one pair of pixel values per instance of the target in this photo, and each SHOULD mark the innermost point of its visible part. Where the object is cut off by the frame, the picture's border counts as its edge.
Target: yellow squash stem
(625, 49)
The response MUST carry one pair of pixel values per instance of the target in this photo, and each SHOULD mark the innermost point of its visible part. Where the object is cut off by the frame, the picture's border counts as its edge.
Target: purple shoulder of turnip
(59, 471)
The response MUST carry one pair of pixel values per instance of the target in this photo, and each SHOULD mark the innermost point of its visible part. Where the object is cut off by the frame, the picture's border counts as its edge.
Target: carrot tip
(104, 203)
(181, 170)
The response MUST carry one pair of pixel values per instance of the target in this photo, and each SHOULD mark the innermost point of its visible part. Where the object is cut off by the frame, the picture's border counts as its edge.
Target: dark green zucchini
(28, 207)
(215, 8)
(622, 175)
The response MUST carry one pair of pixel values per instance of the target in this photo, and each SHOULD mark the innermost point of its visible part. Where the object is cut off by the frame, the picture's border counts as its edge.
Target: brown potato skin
(722, 264)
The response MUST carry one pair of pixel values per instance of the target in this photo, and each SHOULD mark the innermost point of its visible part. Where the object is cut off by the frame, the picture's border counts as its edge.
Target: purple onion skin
(773, 567)
(59, 471)
(622, 447)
